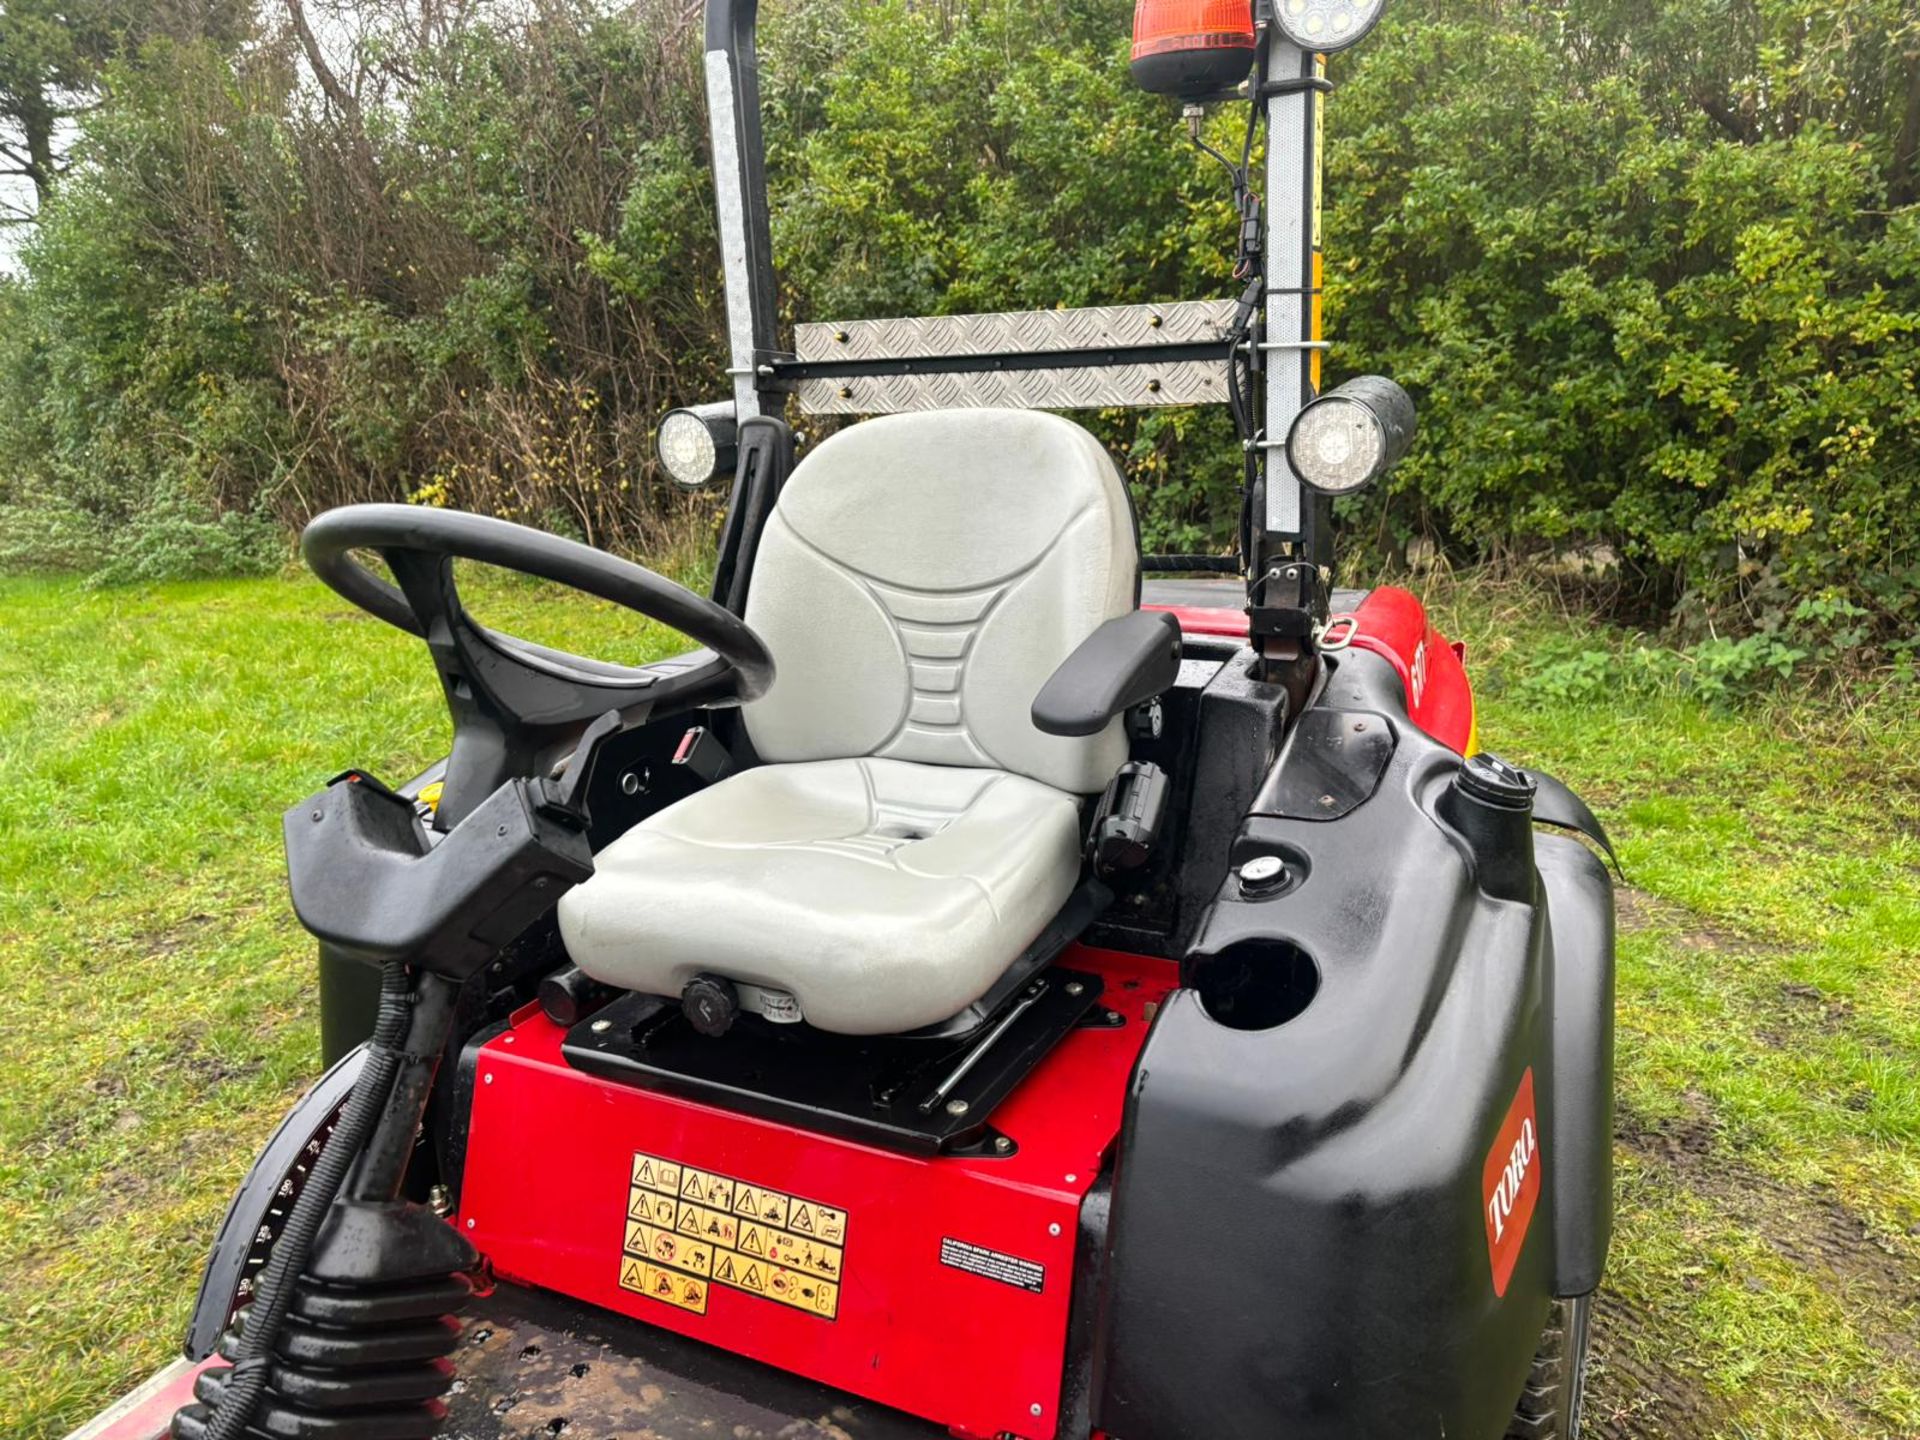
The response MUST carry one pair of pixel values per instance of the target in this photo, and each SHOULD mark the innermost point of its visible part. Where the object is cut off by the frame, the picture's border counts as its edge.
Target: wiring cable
(253, 1357)
(1249, 266)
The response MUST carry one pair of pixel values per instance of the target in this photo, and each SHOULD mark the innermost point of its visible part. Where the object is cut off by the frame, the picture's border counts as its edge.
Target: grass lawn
(1766, 1273)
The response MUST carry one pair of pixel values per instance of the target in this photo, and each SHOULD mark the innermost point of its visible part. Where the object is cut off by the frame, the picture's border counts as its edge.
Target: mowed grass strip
(160, 1013)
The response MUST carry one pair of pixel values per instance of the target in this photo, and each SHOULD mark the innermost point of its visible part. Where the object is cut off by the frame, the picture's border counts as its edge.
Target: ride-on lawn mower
(970, 992)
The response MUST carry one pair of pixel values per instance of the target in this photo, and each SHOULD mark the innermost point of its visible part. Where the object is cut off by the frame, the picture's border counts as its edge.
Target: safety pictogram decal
(1511, 1184)
(689, 1229)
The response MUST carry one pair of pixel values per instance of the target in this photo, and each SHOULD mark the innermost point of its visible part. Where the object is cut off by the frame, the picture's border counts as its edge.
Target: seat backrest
(921, 577)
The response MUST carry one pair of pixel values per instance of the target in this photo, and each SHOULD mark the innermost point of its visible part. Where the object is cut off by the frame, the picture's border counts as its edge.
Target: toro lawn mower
(970, 993)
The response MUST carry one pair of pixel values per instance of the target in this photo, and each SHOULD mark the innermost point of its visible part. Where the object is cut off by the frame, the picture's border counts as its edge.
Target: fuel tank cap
(1492, 781)
(1263, 875)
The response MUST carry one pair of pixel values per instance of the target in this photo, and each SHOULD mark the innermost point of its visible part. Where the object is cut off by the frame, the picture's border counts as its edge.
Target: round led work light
(1351, 436)
(1327, 25)
(696, 444)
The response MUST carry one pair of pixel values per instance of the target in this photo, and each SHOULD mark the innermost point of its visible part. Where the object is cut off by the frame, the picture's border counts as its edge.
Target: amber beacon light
(1192, 48)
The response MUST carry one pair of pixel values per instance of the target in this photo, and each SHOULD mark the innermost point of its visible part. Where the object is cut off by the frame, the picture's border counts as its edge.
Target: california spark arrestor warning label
(993, 1264)
(688, 1229)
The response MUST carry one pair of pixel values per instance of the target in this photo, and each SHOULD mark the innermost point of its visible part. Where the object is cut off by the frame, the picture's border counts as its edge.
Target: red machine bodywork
(977, 1345)
(147, 1412)
(1393, 624)
(1207, 619)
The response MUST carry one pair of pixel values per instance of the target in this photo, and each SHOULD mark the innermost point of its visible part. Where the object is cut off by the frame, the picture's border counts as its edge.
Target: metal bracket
(1306, 83)
(1335, 634)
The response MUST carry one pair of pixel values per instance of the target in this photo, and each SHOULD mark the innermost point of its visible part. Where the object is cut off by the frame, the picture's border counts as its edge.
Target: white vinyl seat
(910, 832)
(937, 878)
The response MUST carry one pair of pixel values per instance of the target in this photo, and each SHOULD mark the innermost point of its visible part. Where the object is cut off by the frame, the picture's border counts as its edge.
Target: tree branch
(1903, 174)
(317, 60)
(1726, 117)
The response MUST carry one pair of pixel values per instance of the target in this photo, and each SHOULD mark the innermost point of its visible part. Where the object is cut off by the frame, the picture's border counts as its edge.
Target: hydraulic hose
(254, 1356)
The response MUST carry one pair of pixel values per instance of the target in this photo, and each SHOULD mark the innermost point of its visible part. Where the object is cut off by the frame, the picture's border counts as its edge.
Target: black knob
(710, 1004)
(568, 996)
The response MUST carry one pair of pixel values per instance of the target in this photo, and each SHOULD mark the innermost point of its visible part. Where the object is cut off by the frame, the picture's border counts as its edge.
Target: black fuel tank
(1334, 1213)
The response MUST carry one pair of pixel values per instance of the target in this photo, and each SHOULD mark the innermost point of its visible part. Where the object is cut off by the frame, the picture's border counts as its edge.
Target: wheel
(1549, 1407)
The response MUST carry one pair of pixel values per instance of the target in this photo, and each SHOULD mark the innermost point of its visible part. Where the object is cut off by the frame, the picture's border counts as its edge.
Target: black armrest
(1124, 663)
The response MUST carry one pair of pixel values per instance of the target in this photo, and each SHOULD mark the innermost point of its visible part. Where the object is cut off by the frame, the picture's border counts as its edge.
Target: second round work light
(1327, 25)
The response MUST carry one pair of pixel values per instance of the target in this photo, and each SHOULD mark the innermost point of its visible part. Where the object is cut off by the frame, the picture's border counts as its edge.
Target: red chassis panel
(1206, 619)
(147, 1411)
(954, 1274)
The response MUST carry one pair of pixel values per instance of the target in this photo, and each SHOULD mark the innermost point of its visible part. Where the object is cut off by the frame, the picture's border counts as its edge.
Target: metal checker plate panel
(1191, 382)
(1100, 327)
(1070, 387)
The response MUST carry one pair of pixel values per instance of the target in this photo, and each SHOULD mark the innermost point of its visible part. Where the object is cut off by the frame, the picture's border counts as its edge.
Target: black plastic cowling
(1300, 1239)
(369, 882)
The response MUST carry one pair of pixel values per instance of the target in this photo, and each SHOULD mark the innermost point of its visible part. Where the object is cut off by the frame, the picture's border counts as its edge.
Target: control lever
(565, 796)
(702, 753)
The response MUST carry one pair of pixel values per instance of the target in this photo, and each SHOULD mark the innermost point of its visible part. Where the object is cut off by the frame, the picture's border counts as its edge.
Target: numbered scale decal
(688, 1230)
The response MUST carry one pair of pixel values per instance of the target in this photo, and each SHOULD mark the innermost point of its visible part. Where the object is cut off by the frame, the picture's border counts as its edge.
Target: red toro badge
(1511, 1184)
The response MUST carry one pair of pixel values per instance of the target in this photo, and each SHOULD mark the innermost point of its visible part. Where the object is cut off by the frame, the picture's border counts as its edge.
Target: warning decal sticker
(993, 1264)
(687, 1229)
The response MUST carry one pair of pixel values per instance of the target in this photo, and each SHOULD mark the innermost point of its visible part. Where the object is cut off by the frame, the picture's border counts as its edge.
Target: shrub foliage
(1652, 268)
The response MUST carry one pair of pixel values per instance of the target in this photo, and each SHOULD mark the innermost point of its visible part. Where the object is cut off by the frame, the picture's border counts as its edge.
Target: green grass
(159, 1007)
(1765, 1276)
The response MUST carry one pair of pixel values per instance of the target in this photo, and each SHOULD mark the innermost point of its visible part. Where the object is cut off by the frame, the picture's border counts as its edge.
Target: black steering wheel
(518, 706)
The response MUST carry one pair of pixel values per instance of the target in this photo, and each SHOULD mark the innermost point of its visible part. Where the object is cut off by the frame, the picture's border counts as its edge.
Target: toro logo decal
(1511, 1184)
(1417, 675)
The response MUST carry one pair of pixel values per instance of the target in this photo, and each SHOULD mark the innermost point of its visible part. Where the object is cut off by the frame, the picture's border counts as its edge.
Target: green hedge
(1652, 268)
(1633, 333)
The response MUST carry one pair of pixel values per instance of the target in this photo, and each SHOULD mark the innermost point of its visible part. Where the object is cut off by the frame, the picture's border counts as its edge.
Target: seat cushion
(883, 894)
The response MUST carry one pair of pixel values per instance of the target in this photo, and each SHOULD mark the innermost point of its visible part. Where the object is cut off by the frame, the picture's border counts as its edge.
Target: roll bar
(740, 199)
(1291, 553)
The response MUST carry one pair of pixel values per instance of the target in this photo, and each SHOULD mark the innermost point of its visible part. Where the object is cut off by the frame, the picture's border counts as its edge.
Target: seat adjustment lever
(705, 754)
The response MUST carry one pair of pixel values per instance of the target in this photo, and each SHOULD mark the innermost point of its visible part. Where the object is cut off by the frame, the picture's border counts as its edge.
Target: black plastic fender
(263, 1201)
(1579, 895)
(1554, 803)
(1303, 1241)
